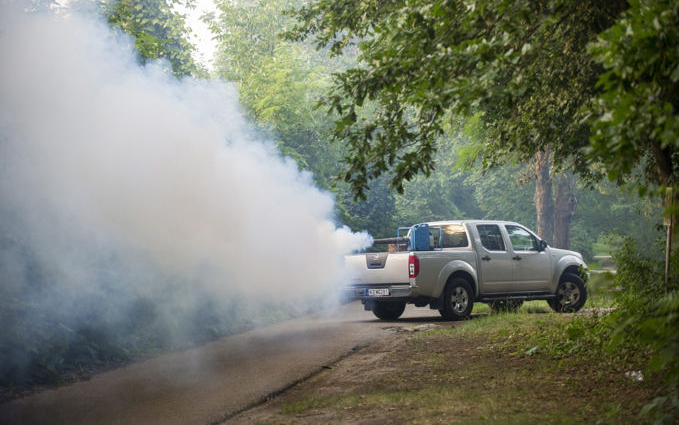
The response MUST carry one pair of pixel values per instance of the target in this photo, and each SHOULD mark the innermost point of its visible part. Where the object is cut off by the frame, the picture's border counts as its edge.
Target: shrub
(644, 328)
(648, 316)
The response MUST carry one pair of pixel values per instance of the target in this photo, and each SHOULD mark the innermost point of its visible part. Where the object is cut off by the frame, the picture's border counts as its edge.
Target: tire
(389, 310)
(458, 300)
(505, 306)
(571, 294)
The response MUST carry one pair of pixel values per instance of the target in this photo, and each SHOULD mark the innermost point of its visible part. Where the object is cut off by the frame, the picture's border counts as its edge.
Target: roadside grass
(532, 366)
(600, 294)
(435, 404)
(614, 362)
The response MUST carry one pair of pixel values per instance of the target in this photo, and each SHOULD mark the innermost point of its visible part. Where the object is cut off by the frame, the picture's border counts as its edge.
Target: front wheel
(571, 294)
(458, 300)
(389, 310)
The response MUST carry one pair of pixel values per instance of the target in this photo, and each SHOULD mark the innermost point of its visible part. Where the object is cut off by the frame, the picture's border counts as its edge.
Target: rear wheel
(458, 300)
(571, 294)
(504, 306)
(389, 310)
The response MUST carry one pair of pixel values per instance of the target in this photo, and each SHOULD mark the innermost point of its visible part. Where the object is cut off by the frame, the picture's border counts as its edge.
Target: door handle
(486, 258)
(517, 258)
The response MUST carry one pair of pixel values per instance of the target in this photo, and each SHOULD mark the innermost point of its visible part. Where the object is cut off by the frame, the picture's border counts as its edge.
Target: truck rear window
(454, 236)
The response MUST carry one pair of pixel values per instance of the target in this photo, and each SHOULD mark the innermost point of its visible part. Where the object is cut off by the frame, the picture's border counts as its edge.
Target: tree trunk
(665, 167)
(564, 210)
(669, 201)
(544, 204)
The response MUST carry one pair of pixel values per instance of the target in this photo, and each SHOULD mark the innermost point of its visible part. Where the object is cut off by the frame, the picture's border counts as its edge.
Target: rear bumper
(396, 292)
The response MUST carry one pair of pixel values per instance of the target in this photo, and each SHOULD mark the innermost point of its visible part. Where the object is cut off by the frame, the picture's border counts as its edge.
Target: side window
(454, 236)
(491, 238)
(521, 240)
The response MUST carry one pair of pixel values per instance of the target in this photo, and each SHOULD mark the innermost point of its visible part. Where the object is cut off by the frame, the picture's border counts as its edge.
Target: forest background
(281, 82)
(535, 128)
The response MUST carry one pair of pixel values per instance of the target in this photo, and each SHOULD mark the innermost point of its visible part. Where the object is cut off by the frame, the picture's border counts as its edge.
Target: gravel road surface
(211, 383)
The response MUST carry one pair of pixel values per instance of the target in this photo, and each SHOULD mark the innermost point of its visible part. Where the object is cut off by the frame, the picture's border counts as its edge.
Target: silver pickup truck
(449, 265)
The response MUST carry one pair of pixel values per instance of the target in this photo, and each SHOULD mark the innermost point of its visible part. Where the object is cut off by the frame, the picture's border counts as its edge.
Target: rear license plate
(378, 292)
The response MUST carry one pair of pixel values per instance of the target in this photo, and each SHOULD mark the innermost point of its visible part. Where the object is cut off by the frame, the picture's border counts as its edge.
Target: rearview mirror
(542, 245)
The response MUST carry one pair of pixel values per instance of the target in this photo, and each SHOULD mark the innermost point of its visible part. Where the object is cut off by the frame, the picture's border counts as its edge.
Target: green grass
(421, 405)
(531, 315)
(480, 372)
(527, 307)
(480, 308)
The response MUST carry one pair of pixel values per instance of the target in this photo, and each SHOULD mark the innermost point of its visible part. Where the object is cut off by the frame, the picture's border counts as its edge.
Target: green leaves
(159, 31)
(635, 120)
(280, 82)
(647, 318)
(523, 64)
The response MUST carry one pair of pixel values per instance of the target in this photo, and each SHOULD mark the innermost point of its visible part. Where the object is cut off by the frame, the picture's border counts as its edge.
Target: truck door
(495, 261)
(531, 267)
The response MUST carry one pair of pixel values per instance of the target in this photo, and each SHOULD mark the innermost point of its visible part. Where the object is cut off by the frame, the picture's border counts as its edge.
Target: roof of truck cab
(440, 223)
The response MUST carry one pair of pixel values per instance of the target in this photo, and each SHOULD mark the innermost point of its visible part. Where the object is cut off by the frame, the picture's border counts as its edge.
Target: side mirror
(542, 245)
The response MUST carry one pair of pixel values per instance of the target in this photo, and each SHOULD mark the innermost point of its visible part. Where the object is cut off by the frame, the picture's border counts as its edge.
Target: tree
(378, 213)
(158, 30)
(523, 65)
(279, 83)
(445, 194)
(635, 120)
(635, 136)
(457, 189)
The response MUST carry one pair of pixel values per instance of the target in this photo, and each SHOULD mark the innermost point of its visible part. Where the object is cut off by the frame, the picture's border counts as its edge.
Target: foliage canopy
(636, 117)
(524, 65)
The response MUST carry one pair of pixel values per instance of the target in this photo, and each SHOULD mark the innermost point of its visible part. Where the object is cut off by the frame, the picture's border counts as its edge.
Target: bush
(648, 315)
(643, 329)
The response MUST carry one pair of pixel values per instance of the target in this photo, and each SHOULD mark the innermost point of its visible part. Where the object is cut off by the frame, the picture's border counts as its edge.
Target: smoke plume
(125, 192)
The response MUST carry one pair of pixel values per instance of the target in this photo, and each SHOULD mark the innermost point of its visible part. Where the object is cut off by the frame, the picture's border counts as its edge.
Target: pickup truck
(449, 265)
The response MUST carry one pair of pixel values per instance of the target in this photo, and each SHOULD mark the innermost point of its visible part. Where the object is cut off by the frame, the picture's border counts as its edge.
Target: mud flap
(437, 304)
(368, 305)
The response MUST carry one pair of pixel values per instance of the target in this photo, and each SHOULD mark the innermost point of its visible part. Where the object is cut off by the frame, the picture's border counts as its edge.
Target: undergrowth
(642, 331)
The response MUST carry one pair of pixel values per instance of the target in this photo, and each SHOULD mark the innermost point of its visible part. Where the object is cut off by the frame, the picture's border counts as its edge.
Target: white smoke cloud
(125, 182)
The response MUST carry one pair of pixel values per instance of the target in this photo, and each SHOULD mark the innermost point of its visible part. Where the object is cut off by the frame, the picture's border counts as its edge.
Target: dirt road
(211, 383)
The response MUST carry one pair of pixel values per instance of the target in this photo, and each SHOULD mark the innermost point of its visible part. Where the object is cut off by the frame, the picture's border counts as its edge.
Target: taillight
(413, 266)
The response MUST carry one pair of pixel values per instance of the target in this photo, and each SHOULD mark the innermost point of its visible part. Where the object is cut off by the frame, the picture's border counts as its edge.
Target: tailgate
(378, 268)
